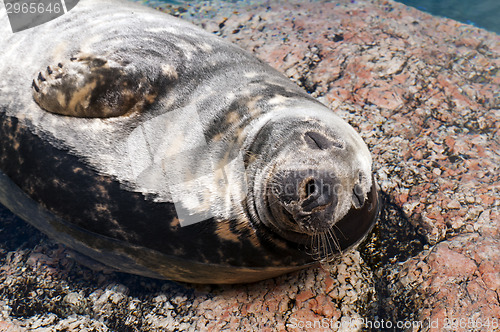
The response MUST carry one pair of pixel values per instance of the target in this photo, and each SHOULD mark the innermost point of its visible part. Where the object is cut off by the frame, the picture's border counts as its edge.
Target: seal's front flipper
(94, 88)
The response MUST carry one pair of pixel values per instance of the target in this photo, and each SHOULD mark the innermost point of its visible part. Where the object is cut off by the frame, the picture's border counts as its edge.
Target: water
(481, 13)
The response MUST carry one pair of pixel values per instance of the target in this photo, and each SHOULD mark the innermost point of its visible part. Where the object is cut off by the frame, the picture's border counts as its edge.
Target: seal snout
(307, 198)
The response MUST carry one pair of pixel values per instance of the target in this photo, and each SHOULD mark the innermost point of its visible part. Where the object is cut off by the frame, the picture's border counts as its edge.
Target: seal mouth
(325, 242)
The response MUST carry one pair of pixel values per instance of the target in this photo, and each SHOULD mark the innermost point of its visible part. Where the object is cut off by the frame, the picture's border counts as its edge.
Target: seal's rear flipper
(93, 87)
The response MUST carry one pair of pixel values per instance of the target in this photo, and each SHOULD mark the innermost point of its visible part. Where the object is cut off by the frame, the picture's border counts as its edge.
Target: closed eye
(319, 141)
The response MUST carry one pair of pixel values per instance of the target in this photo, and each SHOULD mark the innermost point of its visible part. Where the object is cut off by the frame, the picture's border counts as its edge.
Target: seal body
(158, 149)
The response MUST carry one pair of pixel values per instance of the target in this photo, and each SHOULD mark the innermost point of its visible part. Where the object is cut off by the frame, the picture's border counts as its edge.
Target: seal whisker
(329, 248)
(313, 245)
(309, 245)
(342, 233)
(322, 248)
(338, 249)
(335, 240)
(318, 246)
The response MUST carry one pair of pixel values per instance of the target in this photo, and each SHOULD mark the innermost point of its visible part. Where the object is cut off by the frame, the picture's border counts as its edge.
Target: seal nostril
(310, 188)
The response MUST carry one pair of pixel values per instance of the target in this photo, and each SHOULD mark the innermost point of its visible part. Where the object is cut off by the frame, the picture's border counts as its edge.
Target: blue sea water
(481, 13)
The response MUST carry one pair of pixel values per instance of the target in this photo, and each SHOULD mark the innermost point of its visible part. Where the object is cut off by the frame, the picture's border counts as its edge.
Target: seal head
(317, 182)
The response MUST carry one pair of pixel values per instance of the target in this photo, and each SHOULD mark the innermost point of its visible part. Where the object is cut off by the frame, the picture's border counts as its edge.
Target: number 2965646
(33, 7)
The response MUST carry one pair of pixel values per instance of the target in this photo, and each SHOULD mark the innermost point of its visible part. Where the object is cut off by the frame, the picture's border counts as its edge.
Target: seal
(156, 148)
